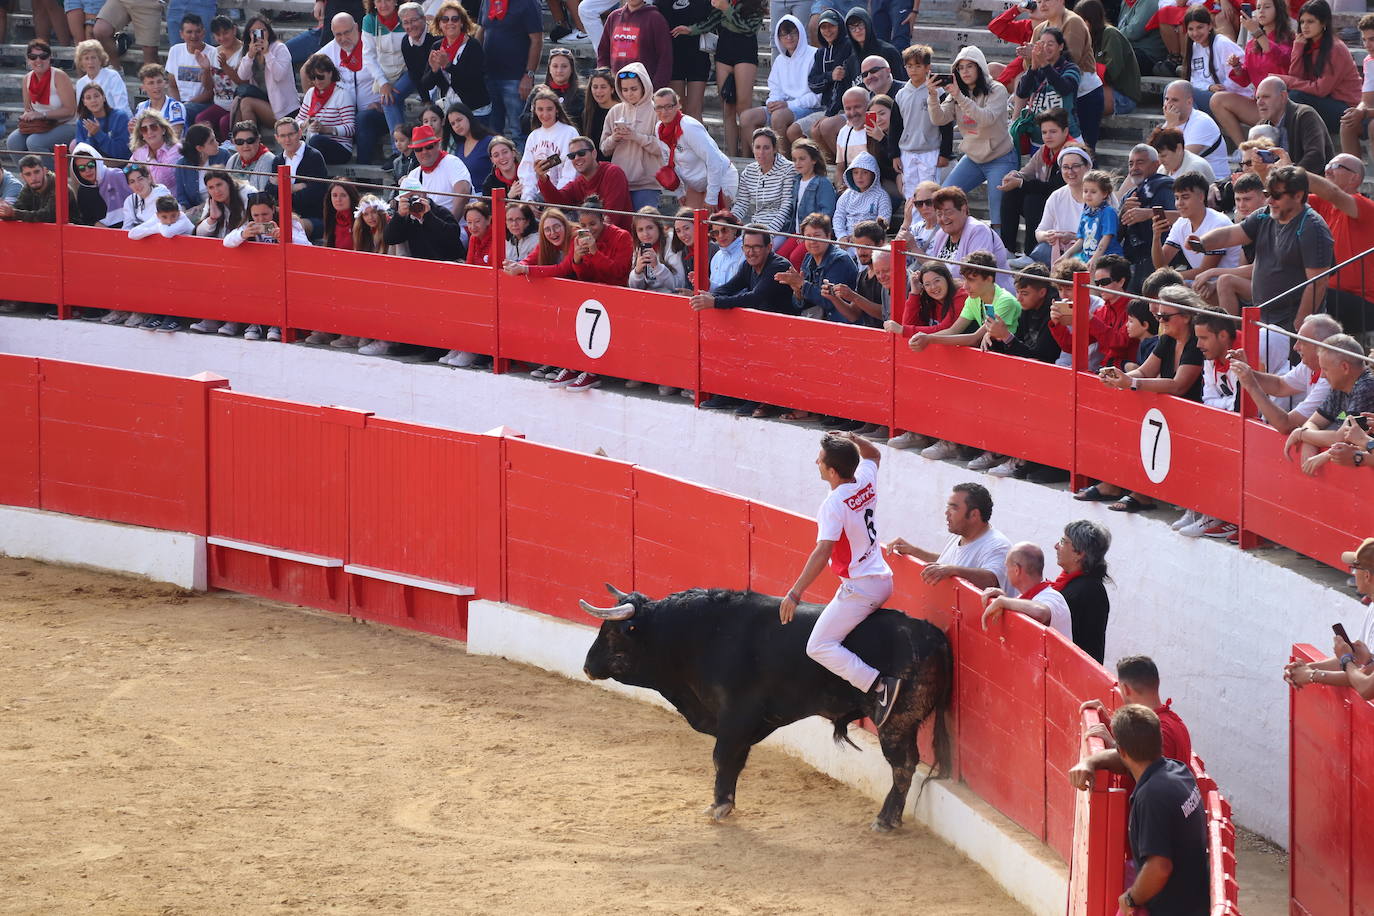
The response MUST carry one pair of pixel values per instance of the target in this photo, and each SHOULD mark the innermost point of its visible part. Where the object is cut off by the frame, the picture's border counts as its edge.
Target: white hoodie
(787, 77)
(701, 164)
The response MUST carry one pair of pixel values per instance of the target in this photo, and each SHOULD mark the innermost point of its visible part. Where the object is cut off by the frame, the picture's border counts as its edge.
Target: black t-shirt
(1168, 819)
(1168, 364)
(1089, 608)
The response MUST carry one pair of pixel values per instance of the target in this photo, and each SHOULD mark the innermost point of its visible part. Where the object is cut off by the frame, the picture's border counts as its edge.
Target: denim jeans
(887, 21)
(1089, 110)
(506, 106)
(371, 129)
(646, 198)
(1202, 100)
(303, 45)
(395, 113)
(1330, 109)
(1124, 104)
(968, 175)
(205, 9)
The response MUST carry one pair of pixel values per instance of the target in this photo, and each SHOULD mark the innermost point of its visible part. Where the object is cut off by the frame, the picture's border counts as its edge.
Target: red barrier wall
(20, 460)
(687, 535)
(1071, 677)
(29, 272)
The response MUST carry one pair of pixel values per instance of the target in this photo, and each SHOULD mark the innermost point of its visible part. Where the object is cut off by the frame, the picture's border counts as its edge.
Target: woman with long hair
(1115, 54)
(812, 193)
(1082, 557)
(736, 24)
(1321, 72)
(597, 103)
(340, 200)
(261, 224)
(268, 88)
(881, 108)
(49, 115)
(467, 138)
(505, 168)
(457, 63)
(226, 205)
(1206, 53)
(979, 103)
(155, 142)
(551, 137)
(932, 305)
(547, 259)
(682, 243)
(561, 79)
(104, 128)
(198, 148)
(655, 266)
(1267, 53)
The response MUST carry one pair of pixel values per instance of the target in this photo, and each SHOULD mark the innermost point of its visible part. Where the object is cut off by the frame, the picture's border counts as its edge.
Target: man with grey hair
(1343, 364)
(1200, 133)
(1145, 187)
(1350, 214)
(1304, 380)
(1300, 128)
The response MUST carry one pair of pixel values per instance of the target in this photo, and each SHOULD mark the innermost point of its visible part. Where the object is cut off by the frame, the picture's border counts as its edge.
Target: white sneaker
(905, 440)
(667, 390)
(983, 462)
(543, 372)
(461, 360)
(1196, 529)
(115, 318)
(1006, 468)
(205, 326)
(1184, 520)
(633, 383)
(274, 333)
(135, 320)
(576, 35)
(253, 332)
(230, 329)
(688, 393)
(376, 348)
(318, 337)
(939, 451)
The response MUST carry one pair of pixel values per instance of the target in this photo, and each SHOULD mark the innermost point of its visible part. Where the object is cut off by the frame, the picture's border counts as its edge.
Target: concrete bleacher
(946, 25)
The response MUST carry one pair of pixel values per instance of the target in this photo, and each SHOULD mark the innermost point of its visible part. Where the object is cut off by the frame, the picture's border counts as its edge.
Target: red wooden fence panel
(123, 446)
(29, 270)
(568, 528)
(1319, 516)
(190, 277)
(608, 330)
(687, 536)
(939, 604)
(779, 544)
(1361, 800)
(1071, 676)
(19, 465)
(278, 481)
(1319, 798)
(1010, 405)
(1001, 700)
(1200, 467)
(349, 292)
(820, 366)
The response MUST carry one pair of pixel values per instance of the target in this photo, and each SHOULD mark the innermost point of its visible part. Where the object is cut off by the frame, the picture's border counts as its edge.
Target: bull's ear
(616, 593)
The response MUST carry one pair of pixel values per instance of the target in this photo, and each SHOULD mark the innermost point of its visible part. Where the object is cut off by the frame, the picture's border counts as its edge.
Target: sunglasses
(1341, 165)
(867, 73)
(38, 55)
(1163, 317)
(925, 203)
(86, 167)
(245, 141)
(450, 18)
(626, 76)
(131, 168)
(317, 77)
(578, 154)
(560, 52)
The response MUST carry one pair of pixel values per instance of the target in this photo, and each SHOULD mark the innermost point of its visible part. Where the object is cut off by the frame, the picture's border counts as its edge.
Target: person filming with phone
(1351, 664)
(987, 307)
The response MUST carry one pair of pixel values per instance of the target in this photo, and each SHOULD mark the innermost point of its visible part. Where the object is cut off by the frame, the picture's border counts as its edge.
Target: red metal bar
(898, 300)
(1081, 307)
(284, 233)
(701, 274)
(499, 366)
(60, 171)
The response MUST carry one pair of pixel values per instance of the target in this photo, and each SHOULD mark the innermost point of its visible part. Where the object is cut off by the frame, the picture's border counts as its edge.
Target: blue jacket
(837, 267)
(187, 189)
(820, 197)
(112, 141)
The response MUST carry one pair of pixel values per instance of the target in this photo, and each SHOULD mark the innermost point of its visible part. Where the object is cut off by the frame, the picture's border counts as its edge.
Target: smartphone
(552, 162)
(944, 79)
(1158, 211)
(1247, 11)
(259, 34)
(1361, 421)
(871, 119)
(1267, 156)
(1339, 630)
(1029, 5)
(1196, 245)
(989, 313)
(621, 122)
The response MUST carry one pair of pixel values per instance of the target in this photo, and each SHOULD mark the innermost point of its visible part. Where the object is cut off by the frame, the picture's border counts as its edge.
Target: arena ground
(167, 752)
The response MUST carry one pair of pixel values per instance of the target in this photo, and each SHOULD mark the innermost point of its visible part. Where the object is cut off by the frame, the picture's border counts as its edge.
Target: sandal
(1129, 503)
(1093, 495)
(763, 411)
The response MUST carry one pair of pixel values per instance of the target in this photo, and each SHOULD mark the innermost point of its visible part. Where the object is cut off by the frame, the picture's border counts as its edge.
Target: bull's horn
(622, 611)
(616, 593)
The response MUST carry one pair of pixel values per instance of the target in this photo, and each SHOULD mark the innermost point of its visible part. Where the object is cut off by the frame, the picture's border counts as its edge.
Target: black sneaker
(885, 690)
(122, 41)
(558, 33)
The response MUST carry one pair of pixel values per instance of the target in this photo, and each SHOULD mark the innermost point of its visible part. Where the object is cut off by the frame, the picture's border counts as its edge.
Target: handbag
(707, 42)
(37, 125)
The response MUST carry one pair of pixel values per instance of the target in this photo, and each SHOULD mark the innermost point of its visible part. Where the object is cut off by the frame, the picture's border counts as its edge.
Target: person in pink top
(1322, 73)
(1268, 52)
(154, 142)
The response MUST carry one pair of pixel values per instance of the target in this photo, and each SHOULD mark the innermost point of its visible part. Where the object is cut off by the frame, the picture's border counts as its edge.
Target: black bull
(724, 661)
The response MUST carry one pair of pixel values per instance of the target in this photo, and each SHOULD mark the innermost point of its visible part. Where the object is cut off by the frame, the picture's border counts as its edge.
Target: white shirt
(446, 173)
(847, 518)
(1316, 391)
(293, 162)
(359, 82)
(1192, 162)
(1368, 73)
(1201, 130)
(1211, 219)
(112, 81)
(183, 67)
(988, 551)
(542, 143)
(1060, 619)
(1219, 53)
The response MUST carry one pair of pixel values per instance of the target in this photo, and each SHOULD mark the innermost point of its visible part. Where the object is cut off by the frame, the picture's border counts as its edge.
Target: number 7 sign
(1156, 446)
(593, 328)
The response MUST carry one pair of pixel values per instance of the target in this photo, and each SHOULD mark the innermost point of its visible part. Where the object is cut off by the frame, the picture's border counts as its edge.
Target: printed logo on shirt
(861, 498)
(188, 74)
(1191, 802)
(625, 42)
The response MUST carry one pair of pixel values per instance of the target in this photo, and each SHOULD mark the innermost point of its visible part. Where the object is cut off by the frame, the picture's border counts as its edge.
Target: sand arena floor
(171, 753)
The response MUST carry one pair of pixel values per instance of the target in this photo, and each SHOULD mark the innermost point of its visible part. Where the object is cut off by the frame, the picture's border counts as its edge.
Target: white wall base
(163, 556)
(1018, 862)
(1218, 622)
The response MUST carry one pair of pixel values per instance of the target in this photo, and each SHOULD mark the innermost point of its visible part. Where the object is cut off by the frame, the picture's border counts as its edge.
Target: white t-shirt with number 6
(848, 517)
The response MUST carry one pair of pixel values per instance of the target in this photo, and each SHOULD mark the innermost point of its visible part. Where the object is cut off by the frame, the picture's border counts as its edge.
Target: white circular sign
(593, 328)
(1156, 446)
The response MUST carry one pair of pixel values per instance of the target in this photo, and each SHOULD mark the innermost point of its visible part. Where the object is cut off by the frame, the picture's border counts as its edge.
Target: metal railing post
(1081, 307)
(897, 307)
(701, 274)
(1250, 343)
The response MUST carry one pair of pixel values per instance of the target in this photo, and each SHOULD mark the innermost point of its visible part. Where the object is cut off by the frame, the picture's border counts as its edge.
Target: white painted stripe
(386, 575)
(263, 550)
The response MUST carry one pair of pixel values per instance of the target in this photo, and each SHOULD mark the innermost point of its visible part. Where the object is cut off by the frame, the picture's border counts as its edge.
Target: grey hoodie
(855, 206)
(982, 121)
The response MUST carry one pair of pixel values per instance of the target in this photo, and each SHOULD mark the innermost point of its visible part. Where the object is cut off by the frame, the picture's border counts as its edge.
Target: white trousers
(918, 167)
(855, 600)
(590, 11)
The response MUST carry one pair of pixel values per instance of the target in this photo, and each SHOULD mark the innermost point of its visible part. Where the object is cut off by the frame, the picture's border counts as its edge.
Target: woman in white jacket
(789, 96)
(655, 266)
(706, 176)
(551, 135)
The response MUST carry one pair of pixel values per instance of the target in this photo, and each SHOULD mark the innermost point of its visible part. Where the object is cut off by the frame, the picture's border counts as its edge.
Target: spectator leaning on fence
(99, 189)
(1137, 678)
(304, 164)
(1352, 393)
(1304, 381)
(1039, 601)
(870, 297)
(655, 266)
(1106, 324)
(37, 201)
(825, 265)
(975, 552)
(1350, 216)
(429, 229)
(754, 284)
(1349, 665)
(1082, 556)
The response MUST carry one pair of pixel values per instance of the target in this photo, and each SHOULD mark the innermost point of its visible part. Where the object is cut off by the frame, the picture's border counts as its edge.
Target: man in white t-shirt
(188, 80)
(1039, 600)
(975, 552)
(1194, 219)
(1303, 381)
(443, 175)
(1201, 134)
(847, 539)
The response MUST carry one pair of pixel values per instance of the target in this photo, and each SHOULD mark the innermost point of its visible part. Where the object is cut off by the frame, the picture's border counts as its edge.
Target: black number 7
(1159, 431)
(591, 334)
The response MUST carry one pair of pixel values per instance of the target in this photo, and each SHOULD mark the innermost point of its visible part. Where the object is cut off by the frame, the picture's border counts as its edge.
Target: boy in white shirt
(167, 221)
(1195, 218)
(847, 539)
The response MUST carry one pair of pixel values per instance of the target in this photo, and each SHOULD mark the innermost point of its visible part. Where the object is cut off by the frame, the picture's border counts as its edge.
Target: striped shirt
(337, 113)
(766, 199)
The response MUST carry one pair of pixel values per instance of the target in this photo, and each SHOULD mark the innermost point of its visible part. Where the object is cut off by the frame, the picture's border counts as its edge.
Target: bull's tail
(842, 729)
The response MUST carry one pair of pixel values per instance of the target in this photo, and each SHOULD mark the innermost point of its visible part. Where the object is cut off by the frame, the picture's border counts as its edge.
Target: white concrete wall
(1017, 861)
(1218, 622)
(163, 556)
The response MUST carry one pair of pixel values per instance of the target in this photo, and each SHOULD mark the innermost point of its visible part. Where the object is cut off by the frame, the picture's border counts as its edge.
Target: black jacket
(872, 45)
(435, 239)
(417, 57)
(1032, 339)
(823, 65)
(750, 290)
(467, 77)
(308, 202)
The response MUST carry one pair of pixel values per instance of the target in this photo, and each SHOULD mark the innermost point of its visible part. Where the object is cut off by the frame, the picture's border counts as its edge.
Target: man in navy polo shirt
(1168, 825)
(513, 39)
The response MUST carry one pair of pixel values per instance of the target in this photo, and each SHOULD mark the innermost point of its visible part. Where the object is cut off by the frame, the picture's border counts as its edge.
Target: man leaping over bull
(847, 538)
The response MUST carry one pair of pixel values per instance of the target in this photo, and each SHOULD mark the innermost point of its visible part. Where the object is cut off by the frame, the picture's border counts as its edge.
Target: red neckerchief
(497, 9)
(1064, 579)
(343, 228)
(352, 60)
(1222, 365)
(1048, 156)
(318, 99)
(1316, 375)
(1030, 593)
(262, 151)
(40, 88)
(452, 51)
(496, 173)
(671, 132)
(559, 89)
(390, 22)
(442, 154)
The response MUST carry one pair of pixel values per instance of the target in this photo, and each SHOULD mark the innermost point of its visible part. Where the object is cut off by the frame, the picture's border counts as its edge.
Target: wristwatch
(1130, 901)
(1135, 382)
(1346, 659)
(1357, 459)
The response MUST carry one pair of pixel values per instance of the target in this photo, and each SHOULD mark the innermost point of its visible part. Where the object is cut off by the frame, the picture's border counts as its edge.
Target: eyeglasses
(1102, 281)
(928, 202)
(578, 154)
(755, 247)
(38, 55)
(245, 141)
(867, 73)
(1161, 316)
(1355, 569)
(668, 106)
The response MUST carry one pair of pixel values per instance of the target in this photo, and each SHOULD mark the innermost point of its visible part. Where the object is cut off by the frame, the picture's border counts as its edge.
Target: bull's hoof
(720, 812)
(880, 825)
